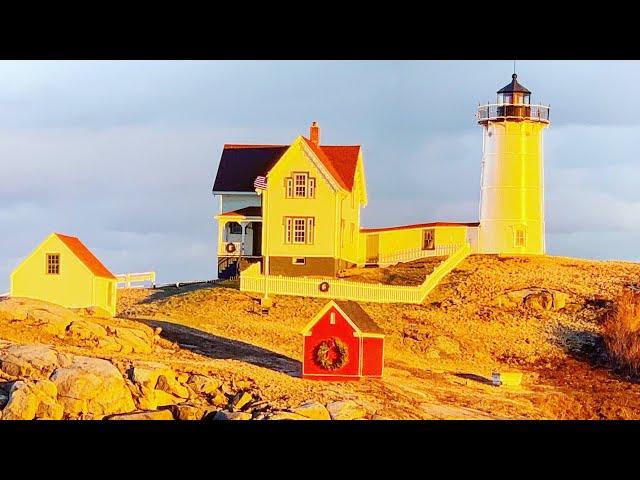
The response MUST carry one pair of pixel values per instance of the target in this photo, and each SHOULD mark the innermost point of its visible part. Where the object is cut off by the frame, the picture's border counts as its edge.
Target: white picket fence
(416, 254)
(251, 280)
(125, 280)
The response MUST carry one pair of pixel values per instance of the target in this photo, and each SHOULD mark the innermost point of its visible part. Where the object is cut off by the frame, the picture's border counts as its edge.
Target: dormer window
(300, 185)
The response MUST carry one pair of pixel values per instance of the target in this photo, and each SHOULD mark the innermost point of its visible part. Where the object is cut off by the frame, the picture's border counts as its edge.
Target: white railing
(530, 112)
(252, 281)
(416, 254)
(128, 278)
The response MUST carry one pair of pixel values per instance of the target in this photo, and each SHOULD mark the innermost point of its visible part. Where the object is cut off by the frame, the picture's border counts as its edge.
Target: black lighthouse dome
(514, 93)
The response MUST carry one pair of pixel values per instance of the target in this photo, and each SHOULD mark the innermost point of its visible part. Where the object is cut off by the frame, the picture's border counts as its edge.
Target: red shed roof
(85, 256)
(354, 314)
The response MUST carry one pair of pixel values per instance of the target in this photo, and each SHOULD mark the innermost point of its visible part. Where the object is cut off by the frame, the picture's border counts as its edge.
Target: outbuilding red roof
(85, 256)
(358, 316)
(241, 164)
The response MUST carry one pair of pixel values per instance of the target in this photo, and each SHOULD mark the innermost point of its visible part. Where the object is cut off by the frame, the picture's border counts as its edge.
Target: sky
(123, 154)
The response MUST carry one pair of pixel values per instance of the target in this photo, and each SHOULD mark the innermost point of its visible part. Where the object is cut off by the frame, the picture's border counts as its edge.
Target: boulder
(286, 416)
(227, 415)
(559, 299)
(92, 386)
(148, 415)
(23, 403)
(170, 385)
(29, 361)
(447, 345)
(52, 323)
(219, 399)
(205, 385)
(188, 411)
(346, 410)
(542, 300)
(131, 339)
(164, 399)
(33, 399)
(240, 400)
(313, 410)
(86, 330)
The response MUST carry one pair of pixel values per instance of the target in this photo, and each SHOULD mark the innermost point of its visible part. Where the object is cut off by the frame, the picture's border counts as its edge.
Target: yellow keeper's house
(296, 208)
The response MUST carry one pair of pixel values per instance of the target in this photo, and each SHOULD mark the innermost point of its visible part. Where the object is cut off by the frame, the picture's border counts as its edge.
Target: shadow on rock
(222, 348)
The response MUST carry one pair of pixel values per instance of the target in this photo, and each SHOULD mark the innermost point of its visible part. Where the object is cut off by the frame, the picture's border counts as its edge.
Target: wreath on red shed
(331, 354)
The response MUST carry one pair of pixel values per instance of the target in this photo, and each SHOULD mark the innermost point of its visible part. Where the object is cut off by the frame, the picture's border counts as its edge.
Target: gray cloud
(123, 154)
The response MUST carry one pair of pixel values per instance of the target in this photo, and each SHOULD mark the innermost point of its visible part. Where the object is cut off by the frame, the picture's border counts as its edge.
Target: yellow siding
(351, 248)
(395, 241)
(72, 288)
(512, 187)
(322, 208)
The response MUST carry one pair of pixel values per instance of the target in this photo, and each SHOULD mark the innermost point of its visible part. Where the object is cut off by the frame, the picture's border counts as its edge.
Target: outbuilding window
(53, 263)
(520, 237)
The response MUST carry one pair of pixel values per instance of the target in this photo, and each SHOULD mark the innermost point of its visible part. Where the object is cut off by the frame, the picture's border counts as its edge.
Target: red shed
(342, 342)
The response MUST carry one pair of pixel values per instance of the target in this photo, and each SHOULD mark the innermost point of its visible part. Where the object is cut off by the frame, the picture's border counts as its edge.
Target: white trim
(320, 166)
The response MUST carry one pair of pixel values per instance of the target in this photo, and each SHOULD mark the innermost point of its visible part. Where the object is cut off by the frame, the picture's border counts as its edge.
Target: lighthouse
(512, 182)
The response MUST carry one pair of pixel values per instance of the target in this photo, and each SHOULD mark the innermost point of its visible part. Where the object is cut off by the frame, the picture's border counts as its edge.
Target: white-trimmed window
(429, 239)
(300, 185)
(299, 230)
(299, 260)
(520, 237)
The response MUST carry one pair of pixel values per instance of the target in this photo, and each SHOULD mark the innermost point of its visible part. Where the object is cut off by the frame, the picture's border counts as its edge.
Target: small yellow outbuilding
(62, 270)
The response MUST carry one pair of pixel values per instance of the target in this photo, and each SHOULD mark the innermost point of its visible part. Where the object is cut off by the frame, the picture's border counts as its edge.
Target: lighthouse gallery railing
(496, 111)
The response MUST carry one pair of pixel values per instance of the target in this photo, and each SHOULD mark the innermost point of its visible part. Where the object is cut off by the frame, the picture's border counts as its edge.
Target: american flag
(260, 183)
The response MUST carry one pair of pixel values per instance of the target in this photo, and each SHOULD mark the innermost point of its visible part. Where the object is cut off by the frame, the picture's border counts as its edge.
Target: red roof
(85, 256)
(422, 225)
(340, 160)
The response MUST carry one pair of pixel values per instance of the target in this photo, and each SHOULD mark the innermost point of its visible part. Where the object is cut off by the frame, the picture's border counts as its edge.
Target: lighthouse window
(520, 237)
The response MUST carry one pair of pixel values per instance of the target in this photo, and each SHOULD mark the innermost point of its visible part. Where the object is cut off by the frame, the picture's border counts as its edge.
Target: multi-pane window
(53, 263)
(300, 185)
(429, 239)
(299, 230)
(520, 237)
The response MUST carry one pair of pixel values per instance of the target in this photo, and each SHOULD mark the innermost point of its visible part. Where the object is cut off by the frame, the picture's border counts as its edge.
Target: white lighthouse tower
(512, 190)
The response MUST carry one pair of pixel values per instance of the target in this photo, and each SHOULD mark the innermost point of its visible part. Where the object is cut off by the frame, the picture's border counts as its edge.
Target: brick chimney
(314, 133)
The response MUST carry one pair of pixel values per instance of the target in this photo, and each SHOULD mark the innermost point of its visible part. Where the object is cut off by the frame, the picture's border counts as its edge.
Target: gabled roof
(514, 86)
(340, 160)
(241, 164)
(354, 314)
(85, 256)
(358, 316)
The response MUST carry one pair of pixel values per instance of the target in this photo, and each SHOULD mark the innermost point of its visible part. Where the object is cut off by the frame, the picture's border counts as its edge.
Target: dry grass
(621, 331)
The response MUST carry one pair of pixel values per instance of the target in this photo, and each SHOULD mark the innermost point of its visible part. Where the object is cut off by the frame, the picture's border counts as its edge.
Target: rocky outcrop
(313, 411)
(92, 387)
(33, 399)
(346, 410)
(534, 298)
(147, 415)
